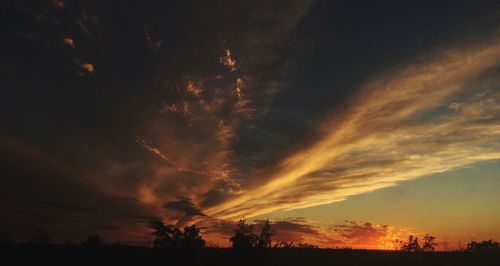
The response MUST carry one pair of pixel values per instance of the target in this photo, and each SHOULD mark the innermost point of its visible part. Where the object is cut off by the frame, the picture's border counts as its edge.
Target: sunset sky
(345, 123)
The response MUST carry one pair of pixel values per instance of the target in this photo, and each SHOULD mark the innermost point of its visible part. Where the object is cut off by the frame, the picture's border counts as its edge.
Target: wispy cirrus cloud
(387, 135)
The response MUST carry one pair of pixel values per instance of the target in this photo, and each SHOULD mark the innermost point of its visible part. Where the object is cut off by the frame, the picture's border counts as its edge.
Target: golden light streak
(378, 127)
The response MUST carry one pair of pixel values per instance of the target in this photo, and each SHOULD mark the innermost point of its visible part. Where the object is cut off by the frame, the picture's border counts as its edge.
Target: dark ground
(124, 255)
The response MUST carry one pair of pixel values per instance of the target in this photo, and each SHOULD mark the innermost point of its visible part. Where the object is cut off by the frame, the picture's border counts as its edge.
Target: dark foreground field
(122, 255)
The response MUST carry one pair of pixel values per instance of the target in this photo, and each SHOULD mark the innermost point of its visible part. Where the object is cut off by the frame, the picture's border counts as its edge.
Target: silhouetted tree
(243, 236)
(411, 245)
(483, 246)
(429, 243)
(165, 236)
(264, 240)
(40, 237)
(93, 241)
(191, 238)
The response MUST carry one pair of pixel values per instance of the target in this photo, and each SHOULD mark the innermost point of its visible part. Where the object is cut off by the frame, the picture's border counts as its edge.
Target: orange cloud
(370, 236)
(69, 41)
(228, 61)
(88, 66)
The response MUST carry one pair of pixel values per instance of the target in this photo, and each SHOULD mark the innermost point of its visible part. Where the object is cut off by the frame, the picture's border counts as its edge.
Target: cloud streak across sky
(386, 136)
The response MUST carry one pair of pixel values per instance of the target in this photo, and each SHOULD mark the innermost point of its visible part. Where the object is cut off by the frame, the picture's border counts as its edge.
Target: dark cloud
(184, 206)
(218, 227)
(362, 234)
(291, 230)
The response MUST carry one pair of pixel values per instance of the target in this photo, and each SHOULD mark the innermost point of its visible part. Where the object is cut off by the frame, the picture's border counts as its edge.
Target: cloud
(69, 42)
(184, 104)
(294, 230)
(386, 135)
(197, 123)
(348, 234)
(185, 206)
(369, 235)
(88, 66)
(228, 61)
(366, 234)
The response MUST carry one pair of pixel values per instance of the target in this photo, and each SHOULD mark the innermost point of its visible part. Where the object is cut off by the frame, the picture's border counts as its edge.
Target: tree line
(166, 236)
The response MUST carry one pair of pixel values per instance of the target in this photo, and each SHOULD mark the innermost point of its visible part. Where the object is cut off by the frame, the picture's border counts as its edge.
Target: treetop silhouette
(243, 236)
(413, 245)
(264, 240)
(483, 246)
(167, 236)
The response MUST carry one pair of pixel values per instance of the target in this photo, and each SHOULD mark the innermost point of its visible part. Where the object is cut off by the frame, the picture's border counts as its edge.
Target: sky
(345, 123)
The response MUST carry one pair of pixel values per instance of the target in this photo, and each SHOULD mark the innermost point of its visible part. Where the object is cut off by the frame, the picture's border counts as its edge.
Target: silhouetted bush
(306, 245)
(284, 244)
(483, 246)
(291, 244)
